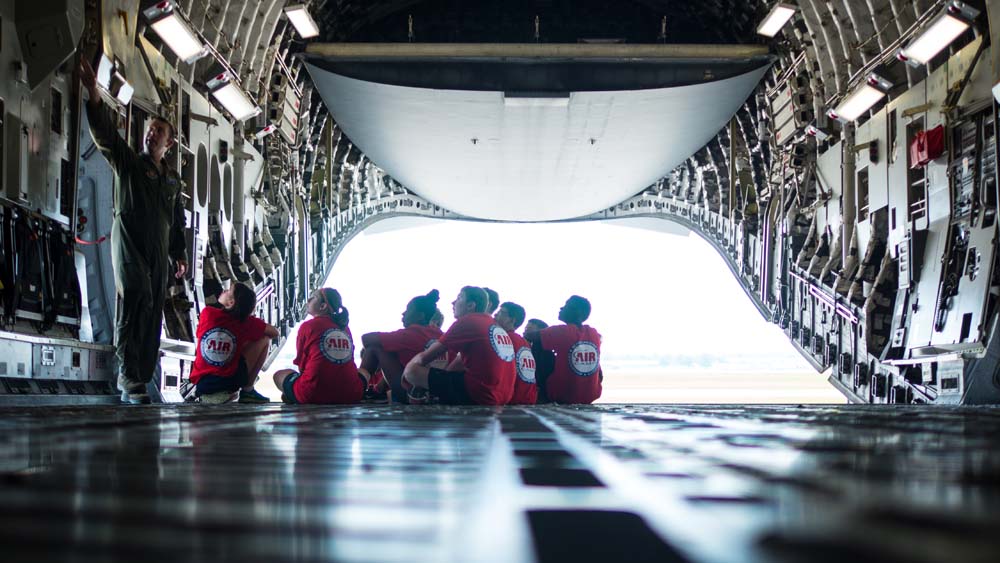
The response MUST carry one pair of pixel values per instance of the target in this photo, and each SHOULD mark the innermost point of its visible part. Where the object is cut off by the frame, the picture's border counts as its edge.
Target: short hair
(244, 301)
(494, 298)
(580, 305)
(515, 311)
(538, 322)
(173, 130)
(477, 296)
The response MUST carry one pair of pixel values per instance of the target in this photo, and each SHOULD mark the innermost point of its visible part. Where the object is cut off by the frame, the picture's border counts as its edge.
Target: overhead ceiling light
(167, 22)
(111, 77)
(232, 97)
(536, 99)
(303, 22)
(862, 99)
(944, 29)
(819, 133)
(271, 128)
(776, 19)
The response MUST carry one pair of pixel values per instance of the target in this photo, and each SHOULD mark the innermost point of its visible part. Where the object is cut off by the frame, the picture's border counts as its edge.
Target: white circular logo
(584, 358)
(336, 346)
(218, 346)
(526, 365)
(502, 344)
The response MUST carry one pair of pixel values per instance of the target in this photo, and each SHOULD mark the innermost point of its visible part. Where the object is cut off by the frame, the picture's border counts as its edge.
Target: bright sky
(653, 293)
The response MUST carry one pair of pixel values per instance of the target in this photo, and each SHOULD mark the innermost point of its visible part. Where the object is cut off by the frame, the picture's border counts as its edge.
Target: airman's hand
(89, 80)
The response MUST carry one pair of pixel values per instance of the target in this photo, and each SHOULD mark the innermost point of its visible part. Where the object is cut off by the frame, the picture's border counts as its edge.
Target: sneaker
(375, 395)
(188, 391)
(418, 396)
(133, 393)
(218, 398)
(139, 398)
(253, 397)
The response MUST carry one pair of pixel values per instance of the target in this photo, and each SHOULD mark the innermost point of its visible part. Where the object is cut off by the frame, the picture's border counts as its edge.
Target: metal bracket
(204, 118)
(910, 112)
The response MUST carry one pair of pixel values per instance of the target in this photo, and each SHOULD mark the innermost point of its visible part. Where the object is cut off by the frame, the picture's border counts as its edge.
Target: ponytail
(341, 317)
(338, 313)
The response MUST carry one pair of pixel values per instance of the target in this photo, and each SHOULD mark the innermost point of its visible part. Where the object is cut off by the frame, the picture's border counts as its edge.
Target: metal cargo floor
(598, 483)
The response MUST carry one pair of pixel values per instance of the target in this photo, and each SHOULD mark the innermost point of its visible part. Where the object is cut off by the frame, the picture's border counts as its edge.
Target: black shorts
(448, 386)
(209, 383)
(288, 388)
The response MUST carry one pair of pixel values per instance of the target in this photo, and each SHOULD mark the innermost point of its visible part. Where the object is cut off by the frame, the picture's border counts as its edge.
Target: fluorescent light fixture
(111, 79)
(535, 100)
(124, 90)
(820, 134)
(303, 22)
(776, 19)
(232, 97)
(944, 29)
(862, 99)
(105, 68)
(271, 128)
(166, 21)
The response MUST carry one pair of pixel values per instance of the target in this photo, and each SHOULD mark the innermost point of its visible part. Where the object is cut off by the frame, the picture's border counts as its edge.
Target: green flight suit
(148, 227)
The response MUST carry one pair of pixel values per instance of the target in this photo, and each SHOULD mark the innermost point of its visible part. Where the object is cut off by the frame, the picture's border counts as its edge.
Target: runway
(596, 483)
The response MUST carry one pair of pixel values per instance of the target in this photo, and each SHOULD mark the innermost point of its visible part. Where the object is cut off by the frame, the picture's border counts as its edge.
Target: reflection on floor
(602, 483)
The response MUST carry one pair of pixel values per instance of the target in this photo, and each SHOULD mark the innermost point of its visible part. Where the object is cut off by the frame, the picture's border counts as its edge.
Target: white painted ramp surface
(529, 159)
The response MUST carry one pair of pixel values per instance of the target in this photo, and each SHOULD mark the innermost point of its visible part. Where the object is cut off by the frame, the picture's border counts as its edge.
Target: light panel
(175, 32)
(515, 101)
(232, 97)
(776, 19)
(939, 34)
(110, 78)
(862, 99)
(105, 68)
(303, 22)
(124, 90)
(859, 102)
(271, 128)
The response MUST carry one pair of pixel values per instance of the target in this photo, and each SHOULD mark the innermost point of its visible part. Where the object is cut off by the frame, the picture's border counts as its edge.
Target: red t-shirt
(324, 352)
(575, 378)
(525, 388)
(221, 340)
(488, 353)
(410, 341)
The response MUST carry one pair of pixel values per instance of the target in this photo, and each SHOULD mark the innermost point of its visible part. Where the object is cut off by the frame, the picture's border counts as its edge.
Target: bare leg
(279, 381)
(456, 363)
(280, 376)
(254, 355)
(392, 370)
(416, 375)
(369, 360)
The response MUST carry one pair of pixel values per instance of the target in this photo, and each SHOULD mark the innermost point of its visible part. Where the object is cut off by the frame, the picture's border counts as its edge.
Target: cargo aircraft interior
(840, 156)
